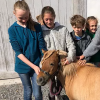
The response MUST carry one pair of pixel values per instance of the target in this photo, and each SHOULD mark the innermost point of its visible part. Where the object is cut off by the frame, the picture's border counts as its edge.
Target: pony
(81, 82)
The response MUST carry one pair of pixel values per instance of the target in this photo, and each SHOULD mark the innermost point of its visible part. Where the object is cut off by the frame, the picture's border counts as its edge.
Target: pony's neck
(61, 77)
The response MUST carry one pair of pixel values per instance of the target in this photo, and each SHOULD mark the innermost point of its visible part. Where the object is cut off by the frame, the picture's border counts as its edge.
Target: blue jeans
(30, 85)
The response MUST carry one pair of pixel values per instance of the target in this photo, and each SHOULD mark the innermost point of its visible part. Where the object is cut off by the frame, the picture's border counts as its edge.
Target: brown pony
(79, 82)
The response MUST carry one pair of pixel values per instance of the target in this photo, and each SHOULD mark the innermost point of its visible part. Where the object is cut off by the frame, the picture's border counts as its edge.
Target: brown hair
(89, 19)
(77, 19)
(48, 9)
(24, 6)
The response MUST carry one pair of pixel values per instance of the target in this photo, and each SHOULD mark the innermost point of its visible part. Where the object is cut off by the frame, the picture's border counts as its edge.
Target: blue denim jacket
(27, 42)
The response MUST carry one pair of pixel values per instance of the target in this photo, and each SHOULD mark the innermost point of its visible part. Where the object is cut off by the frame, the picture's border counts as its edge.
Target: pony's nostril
(41, 79)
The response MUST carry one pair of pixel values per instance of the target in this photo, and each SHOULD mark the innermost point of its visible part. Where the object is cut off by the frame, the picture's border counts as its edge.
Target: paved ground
(9, 91)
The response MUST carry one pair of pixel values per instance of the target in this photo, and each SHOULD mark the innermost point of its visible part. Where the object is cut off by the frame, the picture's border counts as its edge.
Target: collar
(45, 28)
(15, 24)
(83, 34)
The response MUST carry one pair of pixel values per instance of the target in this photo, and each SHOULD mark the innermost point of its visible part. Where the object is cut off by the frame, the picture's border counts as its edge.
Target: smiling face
(22, 16)
(92, 26)
(49, 20)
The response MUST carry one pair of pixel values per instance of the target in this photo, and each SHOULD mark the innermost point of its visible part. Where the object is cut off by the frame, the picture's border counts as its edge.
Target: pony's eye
(52, 64)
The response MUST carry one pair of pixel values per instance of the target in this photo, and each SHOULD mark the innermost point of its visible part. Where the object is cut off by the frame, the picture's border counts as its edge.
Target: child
(56, 36)
(91, 28)
(39, 19)
(27, 41)
(81, 39)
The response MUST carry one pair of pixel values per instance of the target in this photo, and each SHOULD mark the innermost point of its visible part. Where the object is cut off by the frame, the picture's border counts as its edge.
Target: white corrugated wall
(64, 10)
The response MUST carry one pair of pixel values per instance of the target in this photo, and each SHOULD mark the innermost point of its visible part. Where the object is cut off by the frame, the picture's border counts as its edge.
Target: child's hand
(81, 57)
(37, 69)
(82, 62)
(66, 62)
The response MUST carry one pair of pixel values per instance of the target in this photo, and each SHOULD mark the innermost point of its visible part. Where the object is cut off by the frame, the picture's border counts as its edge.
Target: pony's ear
(62, 53)
(58, 52)
(43, 51)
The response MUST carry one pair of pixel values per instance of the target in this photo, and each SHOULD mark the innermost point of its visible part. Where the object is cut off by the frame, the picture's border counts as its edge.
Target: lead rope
(56, 86)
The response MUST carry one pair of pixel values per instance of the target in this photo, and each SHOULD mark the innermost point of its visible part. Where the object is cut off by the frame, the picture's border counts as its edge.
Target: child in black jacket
(80, 37)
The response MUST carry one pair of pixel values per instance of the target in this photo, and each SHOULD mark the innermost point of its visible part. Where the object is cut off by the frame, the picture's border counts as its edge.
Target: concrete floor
(12, 90)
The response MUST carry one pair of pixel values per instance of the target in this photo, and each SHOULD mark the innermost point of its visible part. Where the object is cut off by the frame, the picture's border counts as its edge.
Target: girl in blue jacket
(27, 41)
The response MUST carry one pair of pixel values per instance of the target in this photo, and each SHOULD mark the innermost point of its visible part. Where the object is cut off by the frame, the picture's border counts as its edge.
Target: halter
(52, 76)
(55, 73)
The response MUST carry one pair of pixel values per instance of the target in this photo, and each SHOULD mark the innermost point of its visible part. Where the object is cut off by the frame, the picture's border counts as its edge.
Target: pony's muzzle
(41, 81)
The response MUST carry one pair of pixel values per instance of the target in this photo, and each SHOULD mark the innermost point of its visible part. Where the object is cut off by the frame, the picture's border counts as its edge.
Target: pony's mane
(47, 54)
(71, 68)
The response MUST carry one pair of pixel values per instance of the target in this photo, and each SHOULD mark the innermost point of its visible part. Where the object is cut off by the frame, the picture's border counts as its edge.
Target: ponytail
(21, 4)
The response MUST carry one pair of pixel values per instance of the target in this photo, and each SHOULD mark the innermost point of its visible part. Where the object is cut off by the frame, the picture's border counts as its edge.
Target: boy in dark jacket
(81, 39)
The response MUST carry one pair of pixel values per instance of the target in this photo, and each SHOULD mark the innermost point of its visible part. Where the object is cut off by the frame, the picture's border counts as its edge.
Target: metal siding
(64, 9)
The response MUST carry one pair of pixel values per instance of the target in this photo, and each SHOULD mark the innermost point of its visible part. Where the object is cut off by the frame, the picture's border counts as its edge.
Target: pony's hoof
(51, 98)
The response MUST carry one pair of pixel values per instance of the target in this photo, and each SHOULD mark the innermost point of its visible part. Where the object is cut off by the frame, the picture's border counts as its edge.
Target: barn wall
(64, 9)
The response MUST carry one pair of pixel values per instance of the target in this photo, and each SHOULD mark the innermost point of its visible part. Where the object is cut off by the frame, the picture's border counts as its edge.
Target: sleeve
(94, 46)
(87, 44)
(14, 43)
(70, 47)
(41, 40)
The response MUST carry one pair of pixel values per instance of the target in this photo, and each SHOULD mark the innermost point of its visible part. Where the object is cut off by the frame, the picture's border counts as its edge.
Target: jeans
(30, 85)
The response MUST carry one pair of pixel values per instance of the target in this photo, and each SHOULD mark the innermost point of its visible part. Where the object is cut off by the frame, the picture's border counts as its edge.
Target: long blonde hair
(21, 4)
